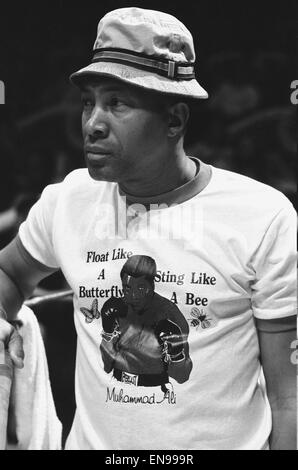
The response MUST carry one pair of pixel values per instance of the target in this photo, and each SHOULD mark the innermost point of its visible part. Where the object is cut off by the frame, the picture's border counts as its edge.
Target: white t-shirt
(223, 257)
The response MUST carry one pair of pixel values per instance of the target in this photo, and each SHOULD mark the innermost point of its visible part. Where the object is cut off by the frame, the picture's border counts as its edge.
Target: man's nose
(97, 124)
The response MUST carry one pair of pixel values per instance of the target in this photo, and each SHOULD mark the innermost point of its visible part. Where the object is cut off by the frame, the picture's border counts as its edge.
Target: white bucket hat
(145, 48)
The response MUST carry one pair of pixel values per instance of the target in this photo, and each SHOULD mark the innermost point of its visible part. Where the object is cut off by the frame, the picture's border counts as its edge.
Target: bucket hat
(145, 48)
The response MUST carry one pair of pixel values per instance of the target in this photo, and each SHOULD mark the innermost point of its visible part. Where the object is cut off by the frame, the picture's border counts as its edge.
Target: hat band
(167, 68)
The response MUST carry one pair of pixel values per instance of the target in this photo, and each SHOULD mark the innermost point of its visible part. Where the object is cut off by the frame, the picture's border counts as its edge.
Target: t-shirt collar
(177, 195)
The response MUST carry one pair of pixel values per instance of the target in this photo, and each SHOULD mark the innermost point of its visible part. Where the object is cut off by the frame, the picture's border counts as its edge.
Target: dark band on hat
(160, 65)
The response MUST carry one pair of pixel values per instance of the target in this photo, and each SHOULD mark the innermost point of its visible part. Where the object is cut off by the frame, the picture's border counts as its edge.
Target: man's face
(125, 135)
(136, 291)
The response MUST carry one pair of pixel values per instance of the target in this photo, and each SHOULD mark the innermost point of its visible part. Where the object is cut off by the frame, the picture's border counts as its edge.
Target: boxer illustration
(144, 337)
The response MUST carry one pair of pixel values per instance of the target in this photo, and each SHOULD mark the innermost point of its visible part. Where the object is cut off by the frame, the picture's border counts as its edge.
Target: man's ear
(178, 118)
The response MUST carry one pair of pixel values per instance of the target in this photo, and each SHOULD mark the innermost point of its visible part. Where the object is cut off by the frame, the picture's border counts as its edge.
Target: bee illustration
(199, 318)
(92, 313)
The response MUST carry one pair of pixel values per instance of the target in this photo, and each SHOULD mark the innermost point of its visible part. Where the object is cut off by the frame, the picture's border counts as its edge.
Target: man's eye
(116, 102)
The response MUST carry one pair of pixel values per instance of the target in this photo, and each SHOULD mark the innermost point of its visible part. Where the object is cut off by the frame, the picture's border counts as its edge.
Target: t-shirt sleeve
(36, 233)
(275, 265)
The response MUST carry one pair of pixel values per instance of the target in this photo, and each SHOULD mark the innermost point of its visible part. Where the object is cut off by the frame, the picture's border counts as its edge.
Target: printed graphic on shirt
(200, 320)
(92, 313)
(191, 284)
(144, 335)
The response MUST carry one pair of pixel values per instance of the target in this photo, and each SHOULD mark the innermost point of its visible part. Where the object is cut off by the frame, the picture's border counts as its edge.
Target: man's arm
(19, 275)
(275, 340)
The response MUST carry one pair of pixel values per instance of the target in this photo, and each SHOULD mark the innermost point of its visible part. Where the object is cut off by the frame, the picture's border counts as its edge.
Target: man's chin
(101, 174)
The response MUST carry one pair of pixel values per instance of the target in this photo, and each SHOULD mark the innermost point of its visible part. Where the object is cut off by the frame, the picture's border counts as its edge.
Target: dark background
(246, 60)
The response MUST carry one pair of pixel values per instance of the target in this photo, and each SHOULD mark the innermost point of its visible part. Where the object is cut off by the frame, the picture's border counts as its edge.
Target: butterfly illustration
(199, 318)
(92, 313)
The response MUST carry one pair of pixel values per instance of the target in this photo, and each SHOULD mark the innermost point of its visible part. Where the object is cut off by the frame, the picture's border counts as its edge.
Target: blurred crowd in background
(248, 125)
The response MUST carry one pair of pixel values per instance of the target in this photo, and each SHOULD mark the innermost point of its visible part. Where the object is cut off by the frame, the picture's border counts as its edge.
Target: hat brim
(189, 89)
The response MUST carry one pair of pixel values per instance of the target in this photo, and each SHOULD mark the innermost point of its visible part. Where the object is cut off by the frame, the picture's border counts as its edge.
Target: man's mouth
(97, 150)
(96, 156)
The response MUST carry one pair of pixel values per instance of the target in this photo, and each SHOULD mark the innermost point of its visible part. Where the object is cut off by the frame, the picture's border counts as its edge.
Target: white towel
(37, 425)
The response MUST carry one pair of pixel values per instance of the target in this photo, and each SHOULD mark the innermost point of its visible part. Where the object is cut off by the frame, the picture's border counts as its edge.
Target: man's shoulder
(78, 182)
(80, 176)
(246, 190)
(233, 180)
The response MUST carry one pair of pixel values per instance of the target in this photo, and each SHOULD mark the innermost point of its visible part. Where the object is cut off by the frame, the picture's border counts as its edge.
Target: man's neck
(179, 171)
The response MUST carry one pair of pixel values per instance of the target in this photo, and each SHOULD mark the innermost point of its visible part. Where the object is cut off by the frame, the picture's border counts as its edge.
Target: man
(223, 243)
(144, 335)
